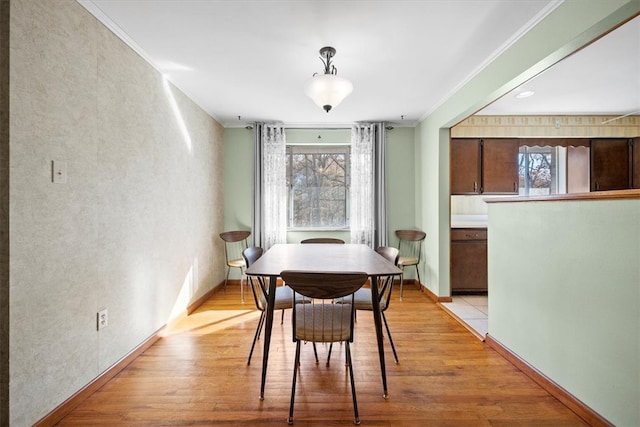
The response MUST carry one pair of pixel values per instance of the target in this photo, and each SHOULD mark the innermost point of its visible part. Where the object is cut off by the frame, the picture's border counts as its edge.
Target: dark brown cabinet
(610, 164)
(484, 166)
(468, 260)
(465, 166)
(500, 166)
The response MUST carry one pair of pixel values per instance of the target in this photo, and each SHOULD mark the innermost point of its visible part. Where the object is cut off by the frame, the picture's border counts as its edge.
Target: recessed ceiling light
(524, 94)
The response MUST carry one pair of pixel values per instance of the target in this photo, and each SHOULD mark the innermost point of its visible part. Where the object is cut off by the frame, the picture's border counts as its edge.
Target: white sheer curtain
(270, 188)
(368, 203)
(361, 203)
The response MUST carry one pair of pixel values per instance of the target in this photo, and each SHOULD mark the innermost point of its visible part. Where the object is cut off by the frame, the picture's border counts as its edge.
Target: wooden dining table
(322, 257)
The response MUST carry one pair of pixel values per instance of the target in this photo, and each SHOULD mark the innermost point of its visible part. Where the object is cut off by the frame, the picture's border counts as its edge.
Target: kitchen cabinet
(468, 260)
(484, 166)
(610, 164)
(465, 166)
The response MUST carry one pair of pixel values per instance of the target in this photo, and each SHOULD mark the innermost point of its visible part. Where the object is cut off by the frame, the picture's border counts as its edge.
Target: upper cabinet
(484, 166)
(611, 164)
(465, 166)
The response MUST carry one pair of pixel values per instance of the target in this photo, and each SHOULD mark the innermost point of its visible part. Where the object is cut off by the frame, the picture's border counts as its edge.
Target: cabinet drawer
(468, 234)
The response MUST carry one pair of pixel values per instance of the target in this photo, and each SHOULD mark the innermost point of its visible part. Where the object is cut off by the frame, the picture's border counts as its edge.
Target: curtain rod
(316, 128)
(386, 126)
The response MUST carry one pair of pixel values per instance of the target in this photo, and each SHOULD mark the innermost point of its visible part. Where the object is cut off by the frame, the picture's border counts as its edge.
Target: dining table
(322, 257)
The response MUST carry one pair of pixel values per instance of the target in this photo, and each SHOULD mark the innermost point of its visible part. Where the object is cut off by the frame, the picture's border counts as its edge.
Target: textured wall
(4, 213)
(548, 126)
(134, 229)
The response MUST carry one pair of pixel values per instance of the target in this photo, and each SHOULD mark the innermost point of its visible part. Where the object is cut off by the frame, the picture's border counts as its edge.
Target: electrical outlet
(58, 172)
(103, 319)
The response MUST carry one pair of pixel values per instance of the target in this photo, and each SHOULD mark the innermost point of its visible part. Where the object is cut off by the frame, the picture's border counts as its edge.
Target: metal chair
(362, 297)
(322, 240)
(234, 243)
(410, 247)
(320, 320)
(284, 294)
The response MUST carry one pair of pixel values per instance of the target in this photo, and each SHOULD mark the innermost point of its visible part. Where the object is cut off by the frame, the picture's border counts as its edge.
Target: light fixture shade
(328, 90)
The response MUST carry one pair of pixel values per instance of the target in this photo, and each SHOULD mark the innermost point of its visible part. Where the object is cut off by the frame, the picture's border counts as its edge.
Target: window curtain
(269, 186)
(368, 216)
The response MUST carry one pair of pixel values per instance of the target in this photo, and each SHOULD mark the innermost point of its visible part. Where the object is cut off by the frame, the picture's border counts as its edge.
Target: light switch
(58, 172)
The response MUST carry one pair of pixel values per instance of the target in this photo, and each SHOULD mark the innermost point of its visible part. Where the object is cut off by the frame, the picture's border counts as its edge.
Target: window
(538, 171)
(318, 185)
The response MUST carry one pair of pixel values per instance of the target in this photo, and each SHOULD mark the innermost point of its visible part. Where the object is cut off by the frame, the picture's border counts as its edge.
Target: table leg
(271, 299)
(377, 318)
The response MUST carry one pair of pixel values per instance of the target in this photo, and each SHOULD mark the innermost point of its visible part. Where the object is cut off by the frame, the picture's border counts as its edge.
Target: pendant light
(328, 90)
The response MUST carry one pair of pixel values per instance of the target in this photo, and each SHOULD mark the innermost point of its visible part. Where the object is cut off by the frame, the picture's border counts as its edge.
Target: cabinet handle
(515, 187)
(597, 186)
(475, 186)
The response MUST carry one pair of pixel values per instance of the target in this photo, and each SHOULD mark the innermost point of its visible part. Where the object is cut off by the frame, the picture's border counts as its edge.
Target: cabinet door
(636, 163)
(468, 266)
(610, 162)
(500, 166)
(465, 166)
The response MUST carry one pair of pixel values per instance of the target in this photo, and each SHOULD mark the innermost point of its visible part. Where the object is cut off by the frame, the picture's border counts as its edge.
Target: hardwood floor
(197, 374)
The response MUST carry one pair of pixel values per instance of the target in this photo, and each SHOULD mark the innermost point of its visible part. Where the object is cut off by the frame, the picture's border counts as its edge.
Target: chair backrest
(318, 319)
(385, 286)
(390, 253)
(258, 287)
(252, 254)
(235, 243)
(410, 242)
(323, 285)
(322, 240)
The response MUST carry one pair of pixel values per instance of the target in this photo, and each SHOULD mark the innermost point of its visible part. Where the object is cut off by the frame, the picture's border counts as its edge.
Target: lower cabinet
(468, 260)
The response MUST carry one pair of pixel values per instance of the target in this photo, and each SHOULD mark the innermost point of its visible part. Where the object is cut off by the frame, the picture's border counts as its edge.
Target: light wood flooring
(197, 374)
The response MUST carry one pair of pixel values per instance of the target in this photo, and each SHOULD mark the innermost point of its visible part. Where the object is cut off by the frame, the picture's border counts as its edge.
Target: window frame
(554, 168)
(325, 148)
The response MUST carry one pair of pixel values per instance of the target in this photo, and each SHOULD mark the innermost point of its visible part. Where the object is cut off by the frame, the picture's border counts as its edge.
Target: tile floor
(472, 311)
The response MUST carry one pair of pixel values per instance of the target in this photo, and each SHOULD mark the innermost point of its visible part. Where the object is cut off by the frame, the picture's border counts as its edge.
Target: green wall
(564, 294)
(570, 26)
(238, 177)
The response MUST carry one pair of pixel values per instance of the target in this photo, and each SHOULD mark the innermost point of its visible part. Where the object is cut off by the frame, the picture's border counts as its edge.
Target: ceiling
(247, 60)
(601, 79)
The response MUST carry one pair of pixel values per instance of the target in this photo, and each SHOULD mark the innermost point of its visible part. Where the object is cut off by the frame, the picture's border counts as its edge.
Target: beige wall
(4, 213)
(133, 230)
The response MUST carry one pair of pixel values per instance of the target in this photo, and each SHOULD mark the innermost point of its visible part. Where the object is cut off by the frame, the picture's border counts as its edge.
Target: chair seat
(238, 263)
(407, 261)
(284, 298)
(362, 300)
(323, 322)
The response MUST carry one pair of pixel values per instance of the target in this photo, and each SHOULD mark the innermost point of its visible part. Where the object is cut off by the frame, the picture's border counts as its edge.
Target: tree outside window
(537, 170)
(317, 179)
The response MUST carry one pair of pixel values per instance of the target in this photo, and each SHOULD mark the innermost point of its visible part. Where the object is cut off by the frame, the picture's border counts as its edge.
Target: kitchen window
(538, 171)
(318, 186)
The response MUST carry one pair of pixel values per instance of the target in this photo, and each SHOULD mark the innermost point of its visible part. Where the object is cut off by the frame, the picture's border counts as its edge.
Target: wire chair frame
(320, 320)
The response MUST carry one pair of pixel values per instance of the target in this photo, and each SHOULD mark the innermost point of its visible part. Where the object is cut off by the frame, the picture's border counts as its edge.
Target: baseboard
(590, 416)
(197, 303)
(55, 416)
(433, 297)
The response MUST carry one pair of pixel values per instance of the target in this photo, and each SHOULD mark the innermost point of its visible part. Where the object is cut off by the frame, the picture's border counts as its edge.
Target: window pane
(317, 187)
(536, 170)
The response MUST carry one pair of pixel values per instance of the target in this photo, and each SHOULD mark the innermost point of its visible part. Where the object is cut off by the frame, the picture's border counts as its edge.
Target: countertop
(469, 221)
